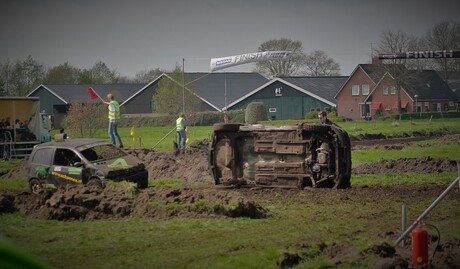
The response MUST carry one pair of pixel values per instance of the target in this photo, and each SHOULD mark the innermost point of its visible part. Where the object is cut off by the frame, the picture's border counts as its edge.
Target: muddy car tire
(226, 127)
(342, 183)
(317, 128)
(94, 184)
(35, 186)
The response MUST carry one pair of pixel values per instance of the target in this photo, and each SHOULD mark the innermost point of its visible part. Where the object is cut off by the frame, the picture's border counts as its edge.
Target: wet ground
(204, 200)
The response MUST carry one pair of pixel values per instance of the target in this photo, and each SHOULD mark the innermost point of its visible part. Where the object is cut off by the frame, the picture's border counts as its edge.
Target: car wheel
(226, 127)
(94, 184)
(316, 128)
(35, 186)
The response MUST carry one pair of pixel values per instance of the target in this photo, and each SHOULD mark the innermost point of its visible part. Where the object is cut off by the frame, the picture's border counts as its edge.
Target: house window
(355, 90)
(385, 90)
(272, 109)
(427, 106)
(278, 91)
(392, 90)
(365, 89)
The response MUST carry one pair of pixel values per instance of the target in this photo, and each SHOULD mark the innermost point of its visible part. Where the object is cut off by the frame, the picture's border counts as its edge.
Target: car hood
(127, 162)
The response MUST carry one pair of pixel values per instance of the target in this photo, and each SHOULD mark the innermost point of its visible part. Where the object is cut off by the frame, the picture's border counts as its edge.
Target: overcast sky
(136, 35)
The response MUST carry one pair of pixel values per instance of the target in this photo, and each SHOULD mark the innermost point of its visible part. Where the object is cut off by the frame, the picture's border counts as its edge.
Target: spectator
(322, 118)
(181, 128)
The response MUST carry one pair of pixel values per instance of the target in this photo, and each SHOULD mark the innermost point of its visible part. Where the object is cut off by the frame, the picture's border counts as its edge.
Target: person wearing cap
(114, 117)
(181, 128)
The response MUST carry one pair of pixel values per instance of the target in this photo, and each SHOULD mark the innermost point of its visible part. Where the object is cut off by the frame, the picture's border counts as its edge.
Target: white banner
(224, 62)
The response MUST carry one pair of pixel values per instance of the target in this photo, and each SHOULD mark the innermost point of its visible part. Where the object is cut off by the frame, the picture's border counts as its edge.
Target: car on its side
(82, 161)
(291, 156)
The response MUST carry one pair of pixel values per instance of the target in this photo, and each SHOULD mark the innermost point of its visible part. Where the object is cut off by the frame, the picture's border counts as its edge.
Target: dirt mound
(404, 165)
(190, 165)
(74, 202)
(18, 172)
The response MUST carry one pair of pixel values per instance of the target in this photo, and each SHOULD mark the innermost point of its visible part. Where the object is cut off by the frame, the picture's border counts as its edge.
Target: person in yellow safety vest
(181, 128)
(114, 117)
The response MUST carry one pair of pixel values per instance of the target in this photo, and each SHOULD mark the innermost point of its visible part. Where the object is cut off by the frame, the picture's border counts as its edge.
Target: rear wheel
(35, 186)
(226, 127)
(316, 128)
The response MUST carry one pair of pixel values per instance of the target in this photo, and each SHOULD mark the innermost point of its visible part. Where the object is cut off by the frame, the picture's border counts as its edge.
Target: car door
(40, 163)
(64, 169)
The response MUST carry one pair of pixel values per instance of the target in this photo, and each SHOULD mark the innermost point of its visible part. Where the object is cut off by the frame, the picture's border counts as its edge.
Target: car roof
(74, 143)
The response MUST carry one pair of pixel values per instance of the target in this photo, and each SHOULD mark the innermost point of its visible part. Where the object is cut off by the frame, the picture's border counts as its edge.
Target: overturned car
(299, 156)
(82, 161)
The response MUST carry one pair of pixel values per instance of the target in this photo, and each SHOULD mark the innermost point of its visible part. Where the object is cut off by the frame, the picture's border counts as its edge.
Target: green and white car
(83, 161)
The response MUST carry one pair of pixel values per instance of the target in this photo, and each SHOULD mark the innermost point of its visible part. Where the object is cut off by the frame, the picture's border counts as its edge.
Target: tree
(281, 67)
(98, 74)
(23, 77)
(396, 42)
(146, 76)
(318, 63)
(5, 70)
(85, 119)
(445, 36)
(101, 74)
(62, 74)
(170, 95)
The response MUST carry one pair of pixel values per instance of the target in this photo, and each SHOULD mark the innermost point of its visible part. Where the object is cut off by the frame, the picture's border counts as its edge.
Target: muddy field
(204, 200)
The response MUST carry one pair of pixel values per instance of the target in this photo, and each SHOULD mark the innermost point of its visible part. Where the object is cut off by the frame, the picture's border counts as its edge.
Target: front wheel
(35, 186)
(226, 127)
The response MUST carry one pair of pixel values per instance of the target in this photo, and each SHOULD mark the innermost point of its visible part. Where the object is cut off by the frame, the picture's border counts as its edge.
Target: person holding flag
(114, 117)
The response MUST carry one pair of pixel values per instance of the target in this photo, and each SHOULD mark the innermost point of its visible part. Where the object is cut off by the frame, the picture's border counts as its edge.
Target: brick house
(370, 92)
(350, 98)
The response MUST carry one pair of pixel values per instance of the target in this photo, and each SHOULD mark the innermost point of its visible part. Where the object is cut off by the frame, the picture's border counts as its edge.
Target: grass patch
(8, 165)
(167, 182)
(129, 187)
(219, 242)
(403, 178)
(370, 155)
(14, 184)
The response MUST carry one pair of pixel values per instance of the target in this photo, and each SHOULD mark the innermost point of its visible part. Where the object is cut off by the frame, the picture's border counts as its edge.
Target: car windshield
(102, 153)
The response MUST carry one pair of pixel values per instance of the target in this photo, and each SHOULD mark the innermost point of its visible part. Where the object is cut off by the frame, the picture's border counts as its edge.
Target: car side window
(43, 156)
(65, 157)
(90, 154)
